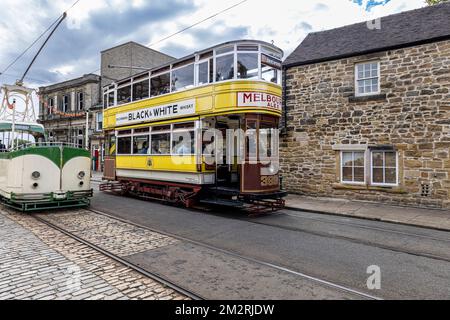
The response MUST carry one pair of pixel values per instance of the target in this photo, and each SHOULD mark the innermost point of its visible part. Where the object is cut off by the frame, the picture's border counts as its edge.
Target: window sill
(388, 189)
(375, 97)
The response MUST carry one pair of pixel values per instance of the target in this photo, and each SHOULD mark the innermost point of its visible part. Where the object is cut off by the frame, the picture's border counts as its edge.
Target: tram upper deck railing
(245, 59)
(41, 144)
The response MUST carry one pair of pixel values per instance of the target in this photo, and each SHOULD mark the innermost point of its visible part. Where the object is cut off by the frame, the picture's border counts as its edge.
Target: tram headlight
(36, 175)
(81, 174)
(272, 168)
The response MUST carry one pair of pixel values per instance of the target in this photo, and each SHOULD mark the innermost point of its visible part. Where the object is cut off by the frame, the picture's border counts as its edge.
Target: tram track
(281, 268)
(163, 280)
(341, 237)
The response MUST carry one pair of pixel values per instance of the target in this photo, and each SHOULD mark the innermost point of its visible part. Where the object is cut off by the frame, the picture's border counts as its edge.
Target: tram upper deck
(234, 77)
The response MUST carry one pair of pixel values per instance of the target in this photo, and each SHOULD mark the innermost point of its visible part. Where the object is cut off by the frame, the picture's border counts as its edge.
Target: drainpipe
(284, 95)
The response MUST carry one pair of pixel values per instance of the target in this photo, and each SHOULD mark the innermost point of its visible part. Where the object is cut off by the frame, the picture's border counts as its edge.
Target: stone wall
(412, 114)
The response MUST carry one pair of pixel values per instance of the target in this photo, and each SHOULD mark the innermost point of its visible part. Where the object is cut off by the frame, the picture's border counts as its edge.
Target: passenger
(210, 148)
(181, 147)
(2, 147)
(155, 147)
(144, 149)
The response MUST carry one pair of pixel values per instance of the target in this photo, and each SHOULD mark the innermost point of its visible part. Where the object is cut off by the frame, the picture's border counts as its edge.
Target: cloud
(76, 49)
(369, 4)
(93, 26)
(321, 7)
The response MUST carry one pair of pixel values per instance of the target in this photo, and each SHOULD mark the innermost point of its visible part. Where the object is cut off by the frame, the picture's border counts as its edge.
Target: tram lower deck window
(161, 143)
(140, 144)
(183, 142)
(124, 145)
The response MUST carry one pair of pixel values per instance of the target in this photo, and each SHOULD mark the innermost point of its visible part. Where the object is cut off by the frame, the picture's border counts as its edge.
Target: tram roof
(192, 55)
(22, 126)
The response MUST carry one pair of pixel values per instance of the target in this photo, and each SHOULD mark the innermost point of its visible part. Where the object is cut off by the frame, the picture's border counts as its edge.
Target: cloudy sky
(94, 25)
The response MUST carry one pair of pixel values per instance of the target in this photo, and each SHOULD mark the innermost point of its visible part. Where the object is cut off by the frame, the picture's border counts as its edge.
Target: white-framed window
(353, 166)
(384, 168)
(367, 78)
(50, 105)
(65, 103)
(99, 121)
(80, 101)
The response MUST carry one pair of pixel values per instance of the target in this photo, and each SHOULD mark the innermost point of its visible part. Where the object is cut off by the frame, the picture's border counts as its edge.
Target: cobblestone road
(38, 262)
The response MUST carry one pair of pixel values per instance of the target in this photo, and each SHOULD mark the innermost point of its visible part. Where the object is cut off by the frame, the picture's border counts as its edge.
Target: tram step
(224, 202)
(225, 191)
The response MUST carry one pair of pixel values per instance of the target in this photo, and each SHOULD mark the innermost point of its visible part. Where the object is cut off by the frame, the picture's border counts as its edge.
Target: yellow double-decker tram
(199, 129)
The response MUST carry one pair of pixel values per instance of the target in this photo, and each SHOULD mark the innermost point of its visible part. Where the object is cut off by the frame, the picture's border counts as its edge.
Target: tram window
(183, 142)
(211, 70)
(225, 67)
(203, 73)
(271, 52)
(270, 69)
(123, 132)
(224, 50)
(247, 48)
(269, 74)
(265, 140)
(141, 130)
(110, 98)
(251, 140)
(105, 101)
(140, 144)
(161, 143)
(183, 78)
(141, 90)
(206, 55)
(160, 84)
(161, 128)
(247, 65)
(124, 145)
(185, 125)
(124, 95)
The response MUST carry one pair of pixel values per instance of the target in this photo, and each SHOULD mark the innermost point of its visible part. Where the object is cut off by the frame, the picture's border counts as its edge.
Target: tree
(431, 2)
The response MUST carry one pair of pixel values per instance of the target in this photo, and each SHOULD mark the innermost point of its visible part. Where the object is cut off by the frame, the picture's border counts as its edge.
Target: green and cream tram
(37, 175)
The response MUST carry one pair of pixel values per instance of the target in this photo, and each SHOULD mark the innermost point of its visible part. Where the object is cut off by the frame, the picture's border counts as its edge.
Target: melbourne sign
(172, 110)
(259, 99)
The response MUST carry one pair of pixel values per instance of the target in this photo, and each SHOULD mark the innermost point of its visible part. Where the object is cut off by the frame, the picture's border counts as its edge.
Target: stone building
(127, 59)
(367, 110)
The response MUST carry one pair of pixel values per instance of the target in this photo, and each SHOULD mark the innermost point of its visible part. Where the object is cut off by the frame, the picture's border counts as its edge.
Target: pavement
(421, 217)
(40, 263)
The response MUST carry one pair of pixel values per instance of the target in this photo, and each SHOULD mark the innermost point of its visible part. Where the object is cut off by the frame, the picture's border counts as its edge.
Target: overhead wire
(37, 39)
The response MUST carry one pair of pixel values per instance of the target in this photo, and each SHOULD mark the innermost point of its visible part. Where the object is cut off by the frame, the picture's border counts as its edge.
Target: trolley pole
(13, 126)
